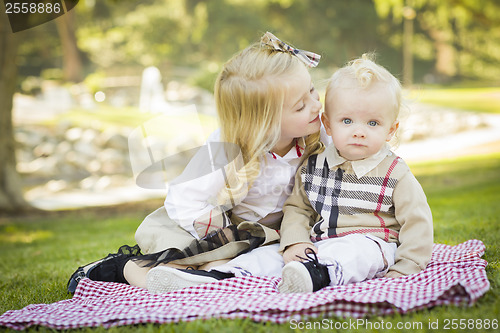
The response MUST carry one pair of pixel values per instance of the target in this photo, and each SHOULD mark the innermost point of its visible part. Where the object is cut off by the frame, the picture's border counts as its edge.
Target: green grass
(471, 99)
(37, 254)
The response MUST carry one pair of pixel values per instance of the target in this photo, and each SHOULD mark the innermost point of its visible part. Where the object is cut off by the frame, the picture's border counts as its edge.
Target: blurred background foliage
(453, 40)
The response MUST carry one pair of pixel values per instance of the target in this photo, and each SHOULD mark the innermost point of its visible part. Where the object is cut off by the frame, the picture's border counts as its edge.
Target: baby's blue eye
(372, 123)
(347, 121)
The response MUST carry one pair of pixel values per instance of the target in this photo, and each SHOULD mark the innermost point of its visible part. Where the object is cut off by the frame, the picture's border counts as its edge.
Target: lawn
(106, 116)
(485, 100)
(38, 253)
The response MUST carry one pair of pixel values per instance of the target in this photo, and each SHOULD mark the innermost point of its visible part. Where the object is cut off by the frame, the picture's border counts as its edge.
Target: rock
(112, 161)
(74, 158)
(63, 148)
(44, 149)
(115, 141)
(85, 148)
(94, 166)
(43, 166)
(62, 127)
(73, 134)
(90, 136)
(88, 183)
(56, 185)
(24, 155)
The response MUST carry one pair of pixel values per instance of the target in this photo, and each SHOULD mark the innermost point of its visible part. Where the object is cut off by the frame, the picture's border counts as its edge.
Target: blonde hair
(365, 73)
(249, 97)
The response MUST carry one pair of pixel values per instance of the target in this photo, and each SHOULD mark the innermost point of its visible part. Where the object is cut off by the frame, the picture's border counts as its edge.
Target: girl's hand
(393, 274)
(293, 252)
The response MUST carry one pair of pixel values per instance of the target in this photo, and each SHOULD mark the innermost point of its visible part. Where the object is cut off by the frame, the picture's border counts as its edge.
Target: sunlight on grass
(106, 116)
(471, 99)
(13, 234)
(101, 117)
(463, 194)
(458, 164)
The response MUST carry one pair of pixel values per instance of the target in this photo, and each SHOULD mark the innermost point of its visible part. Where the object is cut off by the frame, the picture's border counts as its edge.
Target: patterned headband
(309, 58)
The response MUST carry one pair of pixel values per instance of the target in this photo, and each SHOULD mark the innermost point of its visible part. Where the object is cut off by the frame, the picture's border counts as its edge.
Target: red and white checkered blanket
(456, 275)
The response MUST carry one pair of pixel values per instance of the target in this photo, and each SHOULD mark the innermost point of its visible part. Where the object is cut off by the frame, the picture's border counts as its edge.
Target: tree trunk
(445, 55)
(72, 62)
(11, 193)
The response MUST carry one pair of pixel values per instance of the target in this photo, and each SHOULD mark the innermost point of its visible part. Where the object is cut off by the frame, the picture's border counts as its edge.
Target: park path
(474, 142)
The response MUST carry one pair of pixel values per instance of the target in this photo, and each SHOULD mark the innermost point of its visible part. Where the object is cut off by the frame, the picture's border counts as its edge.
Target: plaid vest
(349, 205)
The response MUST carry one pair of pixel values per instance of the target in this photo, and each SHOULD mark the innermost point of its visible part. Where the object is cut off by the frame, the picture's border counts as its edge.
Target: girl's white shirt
(189, 199)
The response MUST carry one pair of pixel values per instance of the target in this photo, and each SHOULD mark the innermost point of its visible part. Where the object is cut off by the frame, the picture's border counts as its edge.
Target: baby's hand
(393, 274)
(295, 251)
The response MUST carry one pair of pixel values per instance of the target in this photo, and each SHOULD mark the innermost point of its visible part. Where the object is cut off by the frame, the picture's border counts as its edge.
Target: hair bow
(309, 58)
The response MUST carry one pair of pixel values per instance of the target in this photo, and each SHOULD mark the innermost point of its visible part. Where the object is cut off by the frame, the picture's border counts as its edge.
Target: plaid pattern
(455, 276)
(212, 221)
(310, 59)
(334, 192)
(214, 246)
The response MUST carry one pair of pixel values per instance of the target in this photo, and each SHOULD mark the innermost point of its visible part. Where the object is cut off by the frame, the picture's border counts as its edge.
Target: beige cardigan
(403, 216)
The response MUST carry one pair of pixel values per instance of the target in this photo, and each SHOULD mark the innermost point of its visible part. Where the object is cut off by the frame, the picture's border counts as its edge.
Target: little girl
(269, 116)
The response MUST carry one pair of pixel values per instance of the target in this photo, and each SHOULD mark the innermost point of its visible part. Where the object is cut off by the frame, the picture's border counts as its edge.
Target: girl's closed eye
(311, 91)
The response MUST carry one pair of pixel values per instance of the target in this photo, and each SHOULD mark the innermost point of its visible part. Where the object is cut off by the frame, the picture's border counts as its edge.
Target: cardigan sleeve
(298, 217)
(415, 218)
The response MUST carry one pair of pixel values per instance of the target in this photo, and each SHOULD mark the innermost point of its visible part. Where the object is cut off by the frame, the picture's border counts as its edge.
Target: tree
(72, 62)
(461, 37)
(11, 195)
(11, 186)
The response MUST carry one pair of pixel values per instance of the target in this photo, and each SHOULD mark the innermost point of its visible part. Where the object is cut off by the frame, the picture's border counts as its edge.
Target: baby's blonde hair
(364, 73)
(249, 97)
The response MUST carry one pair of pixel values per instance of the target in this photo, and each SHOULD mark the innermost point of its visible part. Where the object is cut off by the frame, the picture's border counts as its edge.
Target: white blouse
(189, 198)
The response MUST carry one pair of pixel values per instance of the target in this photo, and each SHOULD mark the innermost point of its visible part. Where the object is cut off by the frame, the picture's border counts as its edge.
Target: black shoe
(164, 279)
(109, 269)
(307, 276)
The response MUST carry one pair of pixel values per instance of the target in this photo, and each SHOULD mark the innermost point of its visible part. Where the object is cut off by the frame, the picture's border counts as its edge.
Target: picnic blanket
(455, 276)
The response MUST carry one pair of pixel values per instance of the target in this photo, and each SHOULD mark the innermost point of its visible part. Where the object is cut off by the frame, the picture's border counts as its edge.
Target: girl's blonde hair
(249, 97)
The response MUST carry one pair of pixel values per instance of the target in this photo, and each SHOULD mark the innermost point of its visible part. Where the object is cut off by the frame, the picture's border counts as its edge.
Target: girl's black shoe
(109, 269)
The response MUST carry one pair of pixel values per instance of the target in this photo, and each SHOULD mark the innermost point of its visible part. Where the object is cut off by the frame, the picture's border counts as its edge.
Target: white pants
(361, 257)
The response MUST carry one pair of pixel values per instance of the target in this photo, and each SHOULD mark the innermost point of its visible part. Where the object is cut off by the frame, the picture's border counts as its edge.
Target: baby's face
(360, 121)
